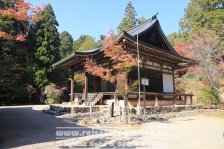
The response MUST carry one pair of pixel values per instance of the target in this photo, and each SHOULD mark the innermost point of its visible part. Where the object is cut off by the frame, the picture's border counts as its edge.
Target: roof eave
(76, 54)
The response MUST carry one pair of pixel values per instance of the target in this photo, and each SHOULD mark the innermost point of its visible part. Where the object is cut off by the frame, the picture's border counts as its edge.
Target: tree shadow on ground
(162, 120)
(22, 125)
(189, 119)
(102, 142)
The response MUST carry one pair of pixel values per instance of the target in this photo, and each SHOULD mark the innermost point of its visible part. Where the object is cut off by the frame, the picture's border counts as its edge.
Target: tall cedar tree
(129, 20)
(47, 42)
(66, 44)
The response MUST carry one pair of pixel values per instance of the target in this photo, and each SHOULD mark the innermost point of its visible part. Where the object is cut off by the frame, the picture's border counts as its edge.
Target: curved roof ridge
(89, 51)
(139, 25)
(142, 27)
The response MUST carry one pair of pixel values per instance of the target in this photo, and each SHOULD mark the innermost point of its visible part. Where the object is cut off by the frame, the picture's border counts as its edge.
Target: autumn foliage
(203, 48)
(120, 63)
(121, 59)
(182, 49)
(6, 36)
(23, 12)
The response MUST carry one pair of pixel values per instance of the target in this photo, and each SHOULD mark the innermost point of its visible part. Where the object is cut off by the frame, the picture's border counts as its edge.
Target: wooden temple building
(158, 65)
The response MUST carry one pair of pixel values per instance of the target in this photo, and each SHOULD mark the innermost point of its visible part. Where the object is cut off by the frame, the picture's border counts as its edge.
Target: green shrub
(53, 94)
(209, 96)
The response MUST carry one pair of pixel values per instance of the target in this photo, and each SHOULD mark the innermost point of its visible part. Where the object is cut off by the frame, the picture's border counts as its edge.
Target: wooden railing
(185, 97)
(188, 98)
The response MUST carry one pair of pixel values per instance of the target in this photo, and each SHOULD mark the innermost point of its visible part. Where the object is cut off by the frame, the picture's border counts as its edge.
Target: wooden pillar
(185, 99)
(174, 90)
(191, 102)
(86, 89)
(144, 61)
(161, 70)
(91, 109)
(174, 99)
(144, 97)
(72, 87)
(156, 100)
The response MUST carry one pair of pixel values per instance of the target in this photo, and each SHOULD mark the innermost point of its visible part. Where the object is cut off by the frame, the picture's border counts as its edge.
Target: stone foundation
(79, 109)
(166, 109)
(133, 110)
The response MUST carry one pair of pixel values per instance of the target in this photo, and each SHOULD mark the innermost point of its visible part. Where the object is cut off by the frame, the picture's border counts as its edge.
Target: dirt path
(28, 127)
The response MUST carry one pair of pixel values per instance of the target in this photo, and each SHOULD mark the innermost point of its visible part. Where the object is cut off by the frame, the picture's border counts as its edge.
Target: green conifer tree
(47, 42)
(66, 44)
(129, 20)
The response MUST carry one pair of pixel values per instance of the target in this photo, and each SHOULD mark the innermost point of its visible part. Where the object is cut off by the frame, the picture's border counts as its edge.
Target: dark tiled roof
(78, 53)
(142, 27)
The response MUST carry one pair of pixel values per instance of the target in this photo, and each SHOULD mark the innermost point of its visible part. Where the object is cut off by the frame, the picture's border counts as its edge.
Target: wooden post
(174, 90)
(156, 100)
(144, 100)
(191, 102)
(111, 109)
(120, 113)
(161, 70)
(86, 89)
(72, 87)
(144, 61)
(116, 98)
(174, 98)
(90, 109)
(185, 99)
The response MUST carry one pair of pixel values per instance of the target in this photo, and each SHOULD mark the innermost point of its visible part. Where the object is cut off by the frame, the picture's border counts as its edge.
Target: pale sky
(96, 17)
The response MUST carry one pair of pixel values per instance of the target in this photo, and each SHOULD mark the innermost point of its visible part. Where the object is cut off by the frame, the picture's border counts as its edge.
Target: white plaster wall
(168, 83)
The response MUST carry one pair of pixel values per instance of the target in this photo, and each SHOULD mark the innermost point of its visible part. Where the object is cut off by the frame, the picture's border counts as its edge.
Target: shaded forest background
(26, 60)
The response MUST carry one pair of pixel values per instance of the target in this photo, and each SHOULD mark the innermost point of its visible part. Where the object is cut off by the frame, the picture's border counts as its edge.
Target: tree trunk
(210, 79)
(30, 96)
(125, 115)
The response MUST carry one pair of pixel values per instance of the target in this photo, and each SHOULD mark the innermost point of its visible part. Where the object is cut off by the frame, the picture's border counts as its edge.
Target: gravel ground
(190, 132)
(28, 127)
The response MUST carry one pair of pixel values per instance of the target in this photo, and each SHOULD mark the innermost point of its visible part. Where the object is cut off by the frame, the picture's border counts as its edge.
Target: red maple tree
(123, 61)
(23, 12)
(203, 47)
(182, 49)
(122, 64)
